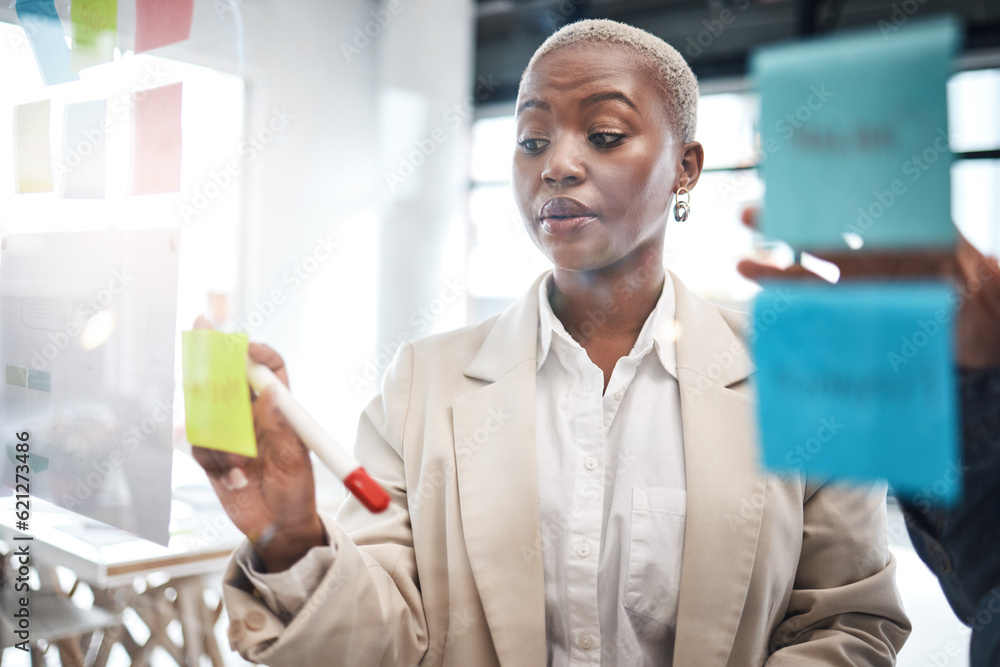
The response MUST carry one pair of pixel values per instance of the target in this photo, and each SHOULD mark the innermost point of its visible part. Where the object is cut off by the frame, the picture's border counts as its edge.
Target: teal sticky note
(36, 462)
(45, 33)
(854, 138)
(857, 382)
(39, 380)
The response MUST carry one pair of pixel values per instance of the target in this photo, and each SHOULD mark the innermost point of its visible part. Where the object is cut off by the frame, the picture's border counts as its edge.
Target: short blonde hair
(673, 76)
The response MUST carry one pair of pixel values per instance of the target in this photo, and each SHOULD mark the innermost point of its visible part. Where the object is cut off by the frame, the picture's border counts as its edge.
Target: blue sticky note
(854, 138)
(857, 382)
(45, 33)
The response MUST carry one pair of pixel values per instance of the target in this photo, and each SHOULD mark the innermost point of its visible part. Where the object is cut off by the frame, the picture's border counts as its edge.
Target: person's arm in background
(354, 605)
(960, 544)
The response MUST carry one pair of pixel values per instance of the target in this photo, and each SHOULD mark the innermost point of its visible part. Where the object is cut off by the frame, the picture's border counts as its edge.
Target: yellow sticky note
(216, 394)
(32, 157)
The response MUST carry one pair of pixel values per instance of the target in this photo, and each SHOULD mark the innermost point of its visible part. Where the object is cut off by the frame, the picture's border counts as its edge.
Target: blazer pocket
(654, 556)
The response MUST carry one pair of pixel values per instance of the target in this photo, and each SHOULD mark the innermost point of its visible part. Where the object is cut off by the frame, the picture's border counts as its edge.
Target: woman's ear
(692, 161)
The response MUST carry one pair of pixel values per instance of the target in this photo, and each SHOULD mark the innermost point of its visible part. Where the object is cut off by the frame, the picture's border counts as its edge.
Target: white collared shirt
(611, 493)
(611, 499)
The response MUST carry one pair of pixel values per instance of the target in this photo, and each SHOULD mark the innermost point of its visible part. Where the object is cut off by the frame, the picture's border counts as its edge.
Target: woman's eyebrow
(589, 100)
(610, 95)
(530, 103)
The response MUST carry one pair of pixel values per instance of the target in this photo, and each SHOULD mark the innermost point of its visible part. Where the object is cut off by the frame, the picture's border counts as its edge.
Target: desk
(110, 561)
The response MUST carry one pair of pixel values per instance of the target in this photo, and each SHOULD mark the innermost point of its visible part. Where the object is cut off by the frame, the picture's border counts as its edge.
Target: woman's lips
(564, 215)
(557, 226)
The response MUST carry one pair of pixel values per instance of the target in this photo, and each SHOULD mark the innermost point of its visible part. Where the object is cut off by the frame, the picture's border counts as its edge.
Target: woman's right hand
(271, 498)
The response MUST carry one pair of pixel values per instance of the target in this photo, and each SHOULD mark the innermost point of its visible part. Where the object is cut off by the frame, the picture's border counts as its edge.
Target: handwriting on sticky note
(849, 157)
(833, 399)
(217, 407)
(95, 31)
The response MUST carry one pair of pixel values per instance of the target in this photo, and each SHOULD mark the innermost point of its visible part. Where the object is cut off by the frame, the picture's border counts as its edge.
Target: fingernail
(234, 479)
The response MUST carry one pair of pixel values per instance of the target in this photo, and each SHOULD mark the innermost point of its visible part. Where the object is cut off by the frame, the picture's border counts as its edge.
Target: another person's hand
(976, 278)
(271, 498)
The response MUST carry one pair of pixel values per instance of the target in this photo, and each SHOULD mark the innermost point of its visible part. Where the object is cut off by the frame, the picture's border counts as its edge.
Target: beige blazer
(773, 571)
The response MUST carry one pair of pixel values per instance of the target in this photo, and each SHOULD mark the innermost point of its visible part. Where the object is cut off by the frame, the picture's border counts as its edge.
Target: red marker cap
(367, 490)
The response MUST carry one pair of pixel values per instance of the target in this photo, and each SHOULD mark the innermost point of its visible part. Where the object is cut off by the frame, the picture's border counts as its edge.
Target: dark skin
(591, 125)
(274, 493)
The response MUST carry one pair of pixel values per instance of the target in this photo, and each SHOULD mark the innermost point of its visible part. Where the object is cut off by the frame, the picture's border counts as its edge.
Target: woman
(574, 481)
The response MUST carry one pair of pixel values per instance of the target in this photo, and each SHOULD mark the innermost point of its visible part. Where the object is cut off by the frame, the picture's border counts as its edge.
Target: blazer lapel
(725, 492)
(498, 484)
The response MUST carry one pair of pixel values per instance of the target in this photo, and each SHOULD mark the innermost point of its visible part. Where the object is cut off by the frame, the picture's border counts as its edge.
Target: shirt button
(585, 641)
(619, 394)
(590, 463)
(255, 620)
(583, 549)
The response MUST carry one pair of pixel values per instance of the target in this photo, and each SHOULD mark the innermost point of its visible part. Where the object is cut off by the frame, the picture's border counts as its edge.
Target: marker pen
(343, 465)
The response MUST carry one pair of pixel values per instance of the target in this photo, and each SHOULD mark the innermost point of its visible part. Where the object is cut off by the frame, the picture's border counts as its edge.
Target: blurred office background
(371, 203)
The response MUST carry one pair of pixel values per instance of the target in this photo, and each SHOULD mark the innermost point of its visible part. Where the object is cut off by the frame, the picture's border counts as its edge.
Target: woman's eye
(533, 145)
(605, 139)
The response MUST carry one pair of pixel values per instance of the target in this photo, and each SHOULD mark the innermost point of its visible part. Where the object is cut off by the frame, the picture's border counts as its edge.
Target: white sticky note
(82, 167)
(32, 154)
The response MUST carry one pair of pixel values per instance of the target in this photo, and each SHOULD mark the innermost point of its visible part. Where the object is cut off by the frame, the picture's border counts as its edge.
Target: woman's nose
(564, 165)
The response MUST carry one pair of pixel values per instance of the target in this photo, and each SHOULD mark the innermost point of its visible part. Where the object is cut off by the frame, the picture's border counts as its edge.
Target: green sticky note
(16, 375)
(216, 394)
(95, 30)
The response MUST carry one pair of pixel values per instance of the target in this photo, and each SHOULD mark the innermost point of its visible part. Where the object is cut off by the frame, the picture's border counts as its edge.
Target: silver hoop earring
(682, 208)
